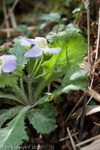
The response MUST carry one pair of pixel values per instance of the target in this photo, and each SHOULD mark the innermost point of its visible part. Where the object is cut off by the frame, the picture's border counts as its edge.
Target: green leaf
(30, 64)
(50, 17)
(6, 114)
(60, 27)
(73, 49)
(18, 70)
(67, 2)
(76, 10)
(42, 25)
(9, 96)
(71, 55)
(19, 52)
(21, 95)
(73, 27)
(63, 20)
(42, 100)
(44, 81)
(8, 79)
(76, 78)
(43, 120)
(23, 28)
(73, 80)
(14, 133)
(63, 36)
(9, 101)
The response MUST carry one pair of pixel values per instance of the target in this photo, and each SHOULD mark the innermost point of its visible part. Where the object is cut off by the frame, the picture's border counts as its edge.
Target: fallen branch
(13, 32)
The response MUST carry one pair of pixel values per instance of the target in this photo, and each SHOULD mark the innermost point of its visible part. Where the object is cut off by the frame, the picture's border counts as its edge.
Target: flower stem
(42, 74)
(37, 69)
(20, 94)
(30, 92)
(34, 68)
(22, 85)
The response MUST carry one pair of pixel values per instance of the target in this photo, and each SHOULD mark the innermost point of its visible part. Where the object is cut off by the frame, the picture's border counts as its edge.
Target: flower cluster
(8, 62)
(40, 45)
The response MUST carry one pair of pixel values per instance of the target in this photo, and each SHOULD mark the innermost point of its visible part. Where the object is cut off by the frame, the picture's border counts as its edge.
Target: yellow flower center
(1, 62)
(42, 43)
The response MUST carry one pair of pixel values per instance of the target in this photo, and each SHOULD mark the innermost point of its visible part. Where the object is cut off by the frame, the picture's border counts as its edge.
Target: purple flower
(7, 63)
(40, 45)
(26, 41)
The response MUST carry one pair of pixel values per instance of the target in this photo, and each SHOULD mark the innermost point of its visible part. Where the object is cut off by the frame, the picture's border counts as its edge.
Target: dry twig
(71, 139)
(6, 19)
(88, 27)
(65, 138)
(12, 18)
(87, 141)
(76, 106)
(14, 33)
(97, 46)
(12, 8)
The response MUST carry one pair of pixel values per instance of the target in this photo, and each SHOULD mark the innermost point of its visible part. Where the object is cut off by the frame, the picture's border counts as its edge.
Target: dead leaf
(89, 111)
(93, 146)
(85, 66)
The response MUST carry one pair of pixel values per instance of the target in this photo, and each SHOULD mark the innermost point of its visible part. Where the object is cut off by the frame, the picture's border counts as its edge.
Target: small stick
(89, 61)
(87, 141)
(88, 27)
(39, 146)
(65, 138)
(59, 80)
(75, 136)
(95, 65)
(82, 118)
(86, 104)
(49, 87)
(98, 37)
(55, 85)
(12, 18)
(76, 106)
(13, 7)
(13, 32)
(71, 139)
(97, 46)
(5, 16)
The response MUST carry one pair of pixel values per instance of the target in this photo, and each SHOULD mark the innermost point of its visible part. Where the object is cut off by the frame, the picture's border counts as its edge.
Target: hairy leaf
(9, 101)
(50, 17)
(5, 80)
(6, 114)
(60, 27)
(43, 120)
(14, 133)
(9, 96)
(73, 27)
(23, 28)
(73, 80)
(9, 79)
(19, 52)
(69, 58)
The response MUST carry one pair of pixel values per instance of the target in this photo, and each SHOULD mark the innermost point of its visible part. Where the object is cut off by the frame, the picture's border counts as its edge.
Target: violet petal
(52, 50)
(9, 66)
(26, 41)
(34, 52)
(7, 57)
